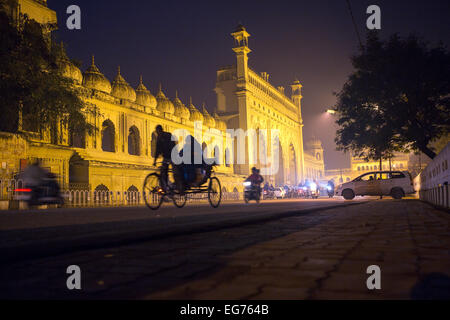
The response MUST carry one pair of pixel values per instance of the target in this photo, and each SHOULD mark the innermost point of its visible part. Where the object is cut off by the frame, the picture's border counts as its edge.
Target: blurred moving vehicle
(385, 183)
(251, 192)
(47, 192)
(330, 189)
(279, 193)
(314, 191)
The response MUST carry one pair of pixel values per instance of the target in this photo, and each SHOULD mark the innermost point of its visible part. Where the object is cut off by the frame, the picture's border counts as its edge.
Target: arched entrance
(279, 175)
(78, 173)
(292, 166)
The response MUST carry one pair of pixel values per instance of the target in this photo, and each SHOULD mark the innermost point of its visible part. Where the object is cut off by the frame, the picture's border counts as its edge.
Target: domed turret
(94, 79)
(163, 104)
(208, 120)
(180, 109)
(195, 114)
(144, 96)
(68, 69)
(221, 125)
(121, 89)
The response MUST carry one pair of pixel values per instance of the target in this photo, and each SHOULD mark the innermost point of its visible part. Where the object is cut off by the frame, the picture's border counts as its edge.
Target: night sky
(182, 43)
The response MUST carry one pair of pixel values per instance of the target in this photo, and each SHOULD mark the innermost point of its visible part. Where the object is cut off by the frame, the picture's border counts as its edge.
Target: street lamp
(331, 111)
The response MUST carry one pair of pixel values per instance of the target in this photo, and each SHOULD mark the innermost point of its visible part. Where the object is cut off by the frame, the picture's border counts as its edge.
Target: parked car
(279, 193)
(387, 183)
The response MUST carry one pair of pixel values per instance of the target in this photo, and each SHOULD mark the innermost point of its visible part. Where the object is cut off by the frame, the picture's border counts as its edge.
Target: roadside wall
(432, 183)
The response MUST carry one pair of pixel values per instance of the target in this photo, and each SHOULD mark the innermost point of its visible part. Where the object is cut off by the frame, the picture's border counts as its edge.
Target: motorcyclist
(34, 175)
(39, 179)
(330, 188)
(256, 179)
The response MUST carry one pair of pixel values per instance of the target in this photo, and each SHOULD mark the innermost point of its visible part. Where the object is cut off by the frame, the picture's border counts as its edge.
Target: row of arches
(108, 139)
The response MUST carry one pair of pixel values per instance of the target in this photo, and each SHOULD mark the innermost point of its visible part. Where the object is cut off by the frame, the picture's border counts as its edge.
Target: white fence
(76, 198)
(84, 198)
(432, 182)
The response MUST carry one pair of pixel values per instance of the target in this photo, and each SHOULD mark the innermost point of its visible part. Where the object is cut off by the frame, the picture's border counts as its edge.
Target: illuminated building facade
(120, 154)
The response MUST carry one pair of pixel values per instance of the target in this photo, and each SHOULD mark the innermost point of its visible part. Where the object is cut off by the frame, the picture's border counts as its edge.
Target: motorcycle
(48, 192)
(313, 191)
(330, 191)
(251, 192)
(268, 194)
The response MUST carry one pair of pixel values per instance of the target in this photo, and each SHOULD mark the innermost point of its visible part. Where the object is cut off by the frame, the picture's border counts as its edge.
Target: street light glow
(331, 111)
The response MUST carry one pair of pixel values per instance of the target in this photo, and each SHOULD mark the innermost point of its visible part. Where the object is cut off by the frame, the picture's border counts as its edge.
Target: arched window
(108, 136)
(153, 144)
(134, 142)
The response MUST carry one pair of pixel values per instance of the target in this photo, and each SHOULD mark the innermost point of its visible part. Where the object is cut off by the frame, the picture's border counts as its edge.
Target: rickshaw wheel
(153, 195)
(179, 200)
(214, 192)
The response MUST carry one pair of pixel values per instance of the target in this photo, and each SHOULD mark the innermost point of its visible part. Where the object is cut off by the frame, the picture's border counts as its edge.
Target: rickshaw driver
(164, 147)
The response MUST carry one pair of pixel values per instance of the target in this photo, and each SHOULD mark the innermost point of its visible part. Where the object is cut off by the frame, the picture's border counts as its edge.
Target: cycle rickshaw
(154, 193)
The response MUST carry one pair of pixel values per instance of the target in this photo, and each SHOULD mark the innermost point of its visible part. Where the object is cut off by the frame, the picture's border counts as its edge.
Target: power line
(354, 23)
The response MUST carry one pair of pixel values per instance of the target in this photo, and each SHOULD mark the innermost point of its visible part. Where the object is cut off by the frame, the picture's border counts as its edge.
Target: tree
(396, 99)
(31, 81)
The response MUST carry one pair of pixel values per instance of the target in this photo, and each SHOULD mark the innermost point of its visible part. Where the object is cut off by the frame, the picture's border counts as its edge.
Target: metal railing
(7, 187)
(77, 198)
(103, 198)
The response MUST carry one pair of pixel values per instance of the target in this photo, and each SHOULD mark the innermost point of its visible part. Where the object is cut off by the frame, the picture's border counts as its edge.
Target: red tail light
(22, 190)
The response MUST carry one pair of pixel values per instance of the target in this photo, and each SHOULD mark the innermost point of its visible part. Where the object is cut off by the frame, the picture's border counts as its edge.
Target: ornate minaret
(297, 99)
(242, 50)
(297, 95)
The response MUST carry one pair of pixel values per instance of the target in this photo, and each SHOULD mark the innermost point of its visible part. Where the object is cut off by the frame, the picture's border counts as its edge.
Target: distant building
(314, 163)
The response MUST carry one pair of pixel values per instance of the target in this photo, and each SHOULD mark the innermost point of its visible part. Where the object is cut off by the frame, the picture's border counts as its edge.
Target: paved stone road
(319, 255)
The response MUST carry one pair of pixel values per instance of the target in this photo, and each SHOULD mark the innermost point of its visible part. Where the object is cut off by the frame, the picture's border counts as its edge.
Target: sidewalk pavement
(408, 240)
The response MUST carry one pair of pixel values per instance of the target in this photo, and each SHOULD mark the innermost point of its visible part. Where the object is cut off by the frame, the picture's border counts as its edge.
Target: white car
(387, 183)
(279, 193)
